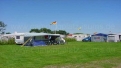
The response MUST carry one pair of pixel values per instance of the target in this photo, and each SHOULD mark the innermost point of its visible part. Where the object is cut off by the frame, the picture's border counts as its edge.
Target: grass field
(71, 55)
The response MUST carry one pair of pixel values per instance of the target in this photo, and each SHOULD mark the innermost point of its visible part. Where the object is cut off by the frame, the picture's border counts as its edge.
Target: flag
(95, 32)
(53, 23)
(79, 28)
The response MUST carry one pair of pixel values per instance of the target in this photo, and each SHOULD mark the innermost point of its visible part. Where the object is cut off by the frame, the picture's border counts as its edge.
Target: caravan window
(17, 37)
(40, 38)
(96, 37)
(111, 37)
(75, 36)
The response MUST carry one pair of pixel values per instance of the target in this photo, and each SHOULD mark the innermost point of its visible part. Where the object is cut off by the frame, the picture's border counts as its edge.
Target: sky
(101, 16)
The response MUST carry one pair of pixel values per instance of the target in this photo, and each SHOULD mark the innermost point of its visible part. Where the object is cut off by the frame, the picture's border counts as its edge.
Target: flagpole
(55, 24)
(55, 27)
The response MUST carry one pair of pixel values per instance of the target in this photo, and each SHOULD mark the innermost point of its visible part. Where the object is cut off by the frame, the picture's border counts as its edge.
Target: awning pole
(27, 41)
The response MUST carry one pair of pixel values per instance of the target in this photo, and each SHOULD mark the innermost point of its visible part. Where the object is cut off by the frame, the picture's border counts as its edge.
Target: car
(87, 39)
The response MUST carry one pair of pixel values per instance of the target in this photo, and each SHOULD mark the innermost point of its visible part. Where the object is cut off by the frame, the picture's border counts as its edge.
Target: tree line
(46, 30)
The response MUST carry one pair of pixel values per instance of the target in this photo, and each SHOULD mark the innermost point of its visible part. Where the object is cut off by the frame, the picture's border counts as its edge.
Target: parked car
(87, 39)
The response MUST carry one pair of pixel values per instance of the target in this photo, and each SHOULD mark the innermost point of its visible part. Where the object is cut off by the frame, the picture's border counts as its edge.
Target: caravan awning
(39, 34)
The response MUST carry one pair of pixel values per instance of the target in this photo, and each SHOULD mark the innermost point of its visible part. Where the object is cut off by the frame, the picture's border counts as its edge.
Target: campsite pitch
(71, 55)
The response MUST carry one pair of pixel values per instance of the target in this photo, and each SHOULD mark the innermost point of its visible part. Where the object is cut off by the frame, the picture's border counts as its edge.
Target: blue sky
(91, 15)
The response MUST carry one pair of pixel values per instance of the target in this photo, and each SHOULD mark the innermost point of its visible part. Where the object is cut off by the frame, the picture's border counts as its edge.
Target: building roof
(29, 34)
(100, 34)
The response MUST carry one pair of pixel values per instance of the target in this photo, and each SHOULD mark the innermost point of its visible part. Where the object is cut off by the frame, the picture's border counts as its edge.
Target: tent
(100, 37)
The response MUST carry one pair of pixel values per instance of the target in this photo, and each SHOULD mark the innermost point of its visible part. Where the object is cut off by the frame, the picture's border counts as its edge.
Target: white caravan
(113, 38)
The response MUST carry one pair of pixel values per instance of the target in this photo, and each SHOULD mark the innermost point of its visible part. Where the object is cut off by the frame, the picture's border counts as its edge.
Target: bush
(70, 39)
(7, 42)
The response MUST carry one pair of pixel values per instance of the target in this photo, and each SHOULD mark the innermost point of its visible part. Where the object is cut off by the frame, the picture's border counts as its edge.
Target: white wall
(78, 37)
(63, 36)
(21, 40)
(114, 37)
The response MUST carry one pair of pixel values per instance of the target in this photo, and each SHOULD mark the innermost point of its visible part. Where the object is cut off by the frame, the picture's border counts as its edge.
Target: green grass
(71, 55)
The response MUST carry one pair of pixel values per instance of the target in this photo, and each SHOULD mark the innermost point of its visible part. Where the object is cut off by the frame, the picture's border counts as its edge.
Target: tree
(2, 27)
(45, 30)
(78, 33)
(8, 33)
(34, 30)
(63, 32)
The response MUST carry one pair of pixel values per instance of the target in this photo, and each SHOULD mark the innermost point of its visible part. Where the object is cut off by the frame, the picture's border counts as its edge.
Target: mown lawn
(71, 55)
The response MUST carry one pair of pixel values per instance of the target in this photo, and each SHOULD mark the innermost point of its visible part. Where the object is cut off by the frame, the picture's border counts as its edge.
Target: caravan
(113, 38)
(35, 39)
